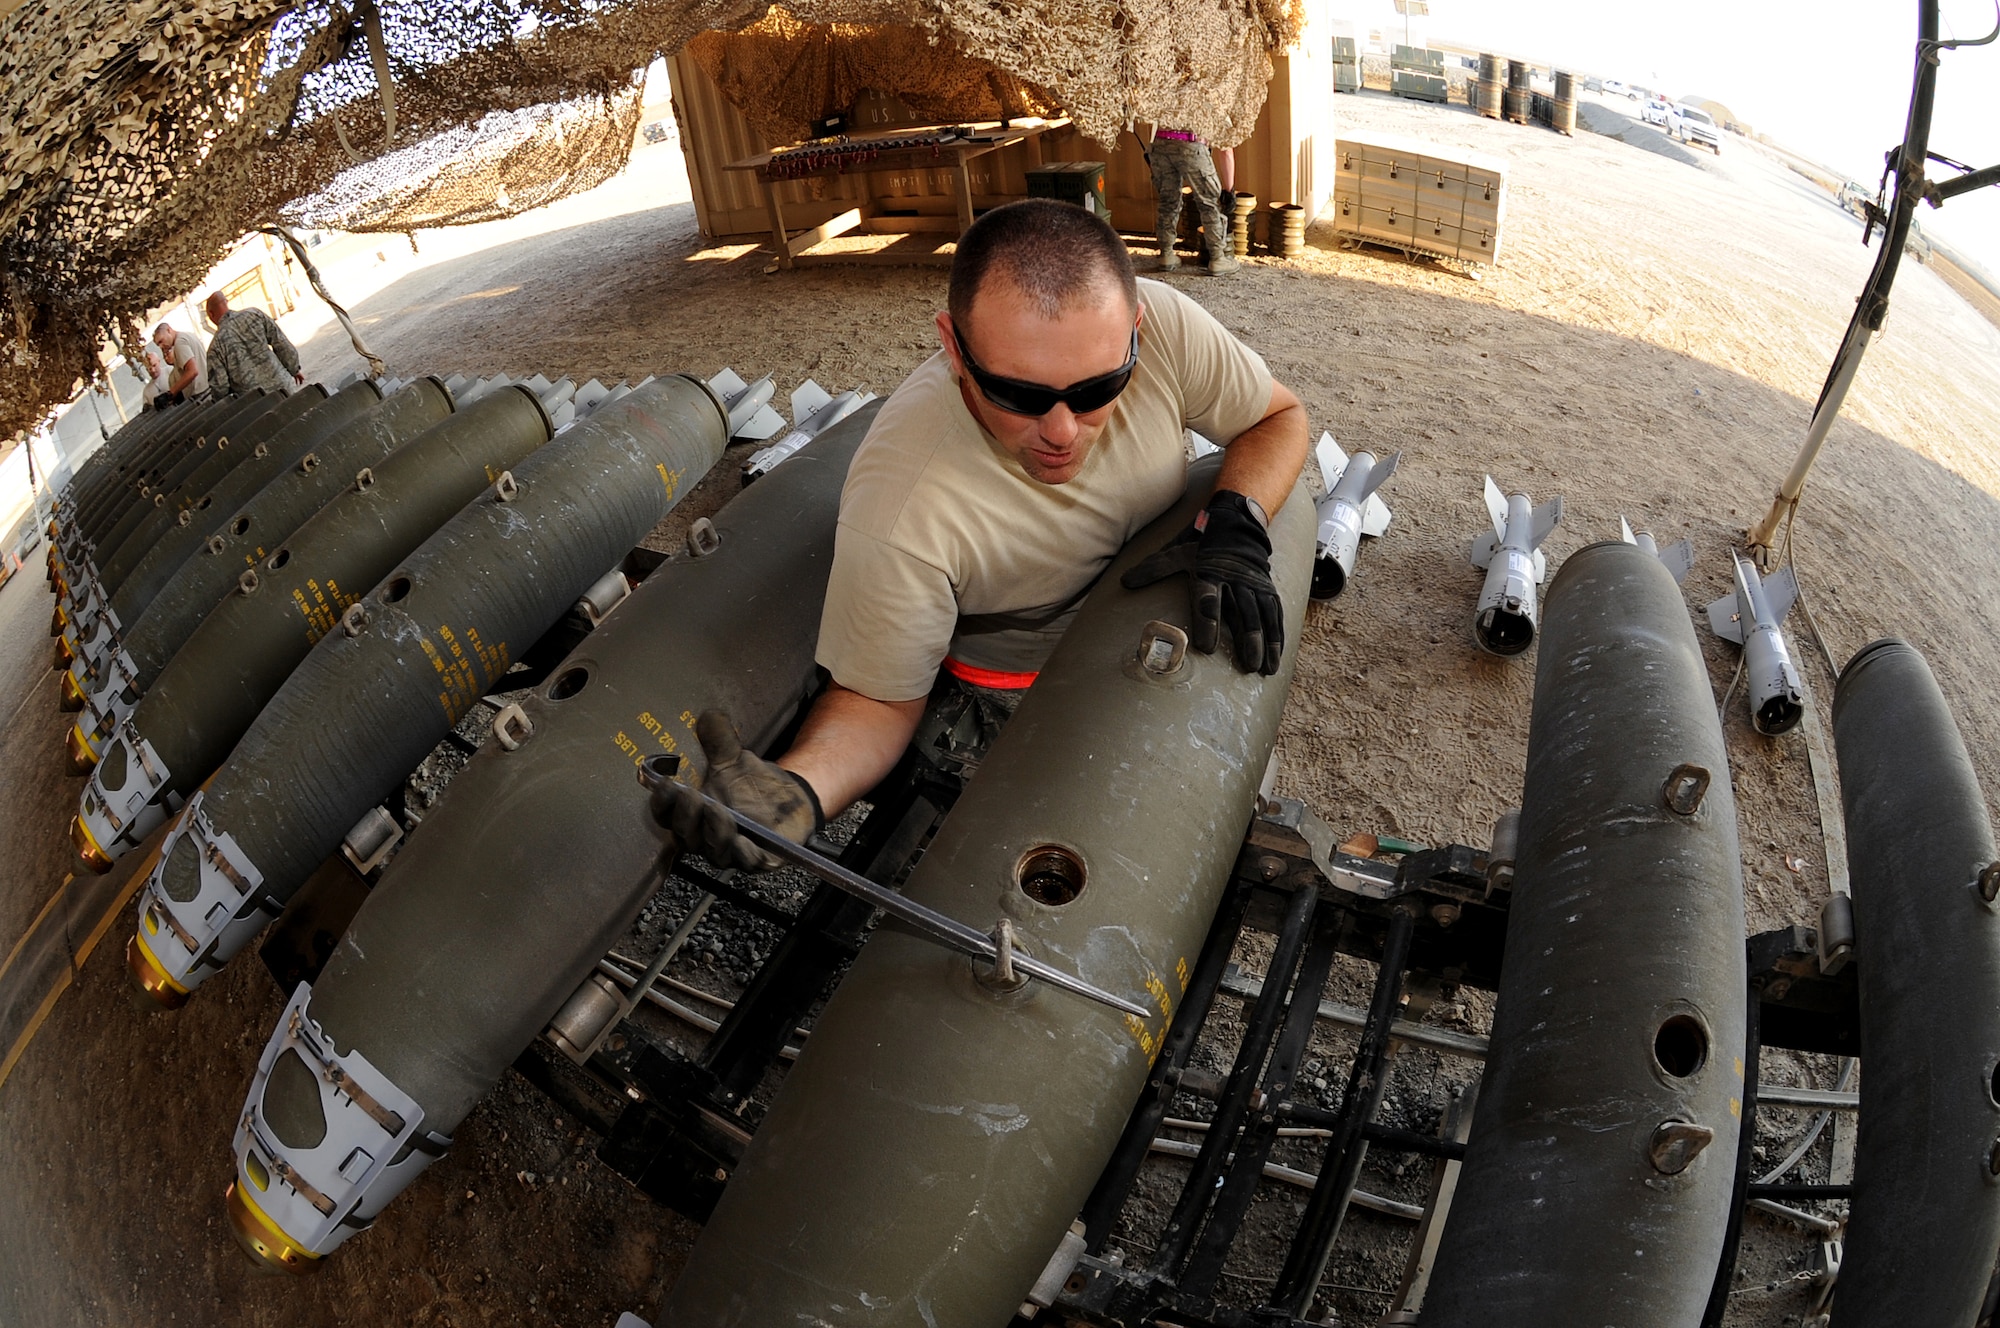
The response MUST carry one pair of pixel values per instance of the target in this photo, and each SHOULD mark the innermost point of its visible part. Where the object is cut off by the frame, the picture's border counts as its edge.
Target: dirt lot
(1650, 345)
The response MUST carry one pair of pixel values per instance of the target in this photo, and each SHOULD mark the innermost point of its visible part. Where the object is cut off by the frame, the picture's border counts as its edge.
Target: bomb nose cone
(82, 760)
(93, 857)
(72, 693)
(65, 654)
(151, 976)
(1504, 633)
(1779, 714)
(268, 1247)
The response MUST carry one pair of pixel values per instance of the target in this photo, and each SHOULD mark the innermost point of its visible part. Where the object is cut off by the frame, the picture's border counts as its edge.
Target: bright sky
(1828, 78)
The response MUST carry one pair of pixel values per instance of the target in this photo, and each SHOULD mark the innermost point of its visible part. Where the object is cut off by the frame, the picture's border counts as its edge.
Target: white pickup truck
(1692, 126)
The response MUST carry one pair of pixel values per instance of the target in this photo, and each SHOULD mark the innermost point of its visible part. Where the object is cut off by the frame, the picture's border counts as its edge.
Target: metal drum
(1562, 112)
(1516, 103)
(1486, 90)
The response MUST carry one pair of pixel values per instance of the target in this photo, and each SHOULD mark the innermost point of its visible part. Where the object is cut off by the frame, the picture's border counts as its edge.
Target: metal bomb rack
(1431, 920)
(672, 1124)
(677, 1123)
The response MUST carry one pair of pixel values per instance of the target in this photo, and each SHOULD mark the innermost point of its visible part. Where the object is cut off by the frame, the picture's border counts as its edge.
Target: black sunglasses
(1036, 399)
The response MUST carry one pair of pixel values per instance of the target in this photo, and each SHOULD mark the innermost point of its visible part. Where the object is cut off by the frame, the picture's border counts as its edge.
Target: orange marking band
(978, 677)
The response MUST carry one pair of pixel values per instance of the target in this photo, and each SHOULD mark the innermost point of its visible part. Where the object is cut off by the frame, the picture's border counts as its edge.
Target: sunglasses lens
(1032, 399)
(1098, 395)
(1017, 398)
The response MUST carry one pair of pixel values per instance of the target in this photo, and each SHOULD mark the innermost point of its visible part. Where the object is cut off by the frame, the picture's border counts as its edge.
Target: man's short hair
(1055, 253)
(163, 327)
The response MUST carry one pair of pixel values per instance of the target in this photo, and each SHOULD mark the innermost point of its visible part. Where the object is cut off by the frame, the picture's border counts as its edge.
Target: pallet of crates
(1417, 73)
(1419, 197)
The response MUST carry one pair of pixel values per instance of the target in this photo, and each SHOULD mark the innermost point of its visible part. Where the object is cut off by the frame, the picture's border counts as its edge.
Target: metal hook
(512, 727)
(1003, 954)
(1162, 648)
(1686, 787)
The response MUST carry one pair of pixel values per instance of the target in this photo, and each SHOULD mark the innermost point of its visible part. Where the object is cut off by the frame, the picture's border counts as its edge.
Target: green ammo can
(1078, 182)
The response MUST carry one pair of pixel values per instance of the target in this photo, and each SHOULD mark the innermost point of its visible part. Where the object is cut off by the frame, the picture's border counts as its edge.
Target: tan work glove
(744, 782)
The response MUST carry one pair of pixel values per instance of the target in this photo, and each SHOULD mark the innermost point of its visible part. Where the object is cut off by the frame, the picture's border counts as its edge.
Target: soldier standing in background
(185, 355)
(1179, 157)
(247, 349)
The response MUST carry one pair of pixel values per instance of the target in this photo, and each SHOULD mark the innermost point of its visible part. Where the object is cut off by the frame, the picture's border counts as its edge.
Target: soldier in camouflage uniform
(246, 351)
(1178, 157)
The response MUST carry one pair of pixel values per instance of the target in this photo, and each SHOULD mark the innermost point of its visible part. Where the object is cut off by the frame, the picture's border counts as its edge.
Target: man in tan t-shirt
(986, 501)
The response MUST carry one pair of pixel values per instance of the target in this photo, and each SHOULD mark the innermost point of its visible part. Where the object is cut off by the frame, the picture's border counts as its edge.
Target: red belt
(993, 678)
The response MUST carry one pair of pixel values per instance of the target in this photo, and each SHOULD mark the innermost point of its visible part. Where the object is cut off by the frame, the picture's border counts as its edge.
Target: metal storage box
(1417, 72)
(1078, 182)
(1346, 65)
(1418, 196)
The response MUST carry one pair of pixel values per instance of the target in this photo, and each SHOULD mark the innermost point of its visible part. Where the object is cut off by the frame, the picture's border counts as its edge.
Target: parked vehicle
(1695, 127)
(1658, 111)
(1918, 245)
(1613, 88)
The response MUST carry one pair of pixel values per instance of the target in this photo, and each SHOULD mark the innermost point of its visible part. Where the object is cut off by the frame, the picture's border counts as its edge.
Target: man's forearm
(848, 743)
(1264, 461)
(287, 353)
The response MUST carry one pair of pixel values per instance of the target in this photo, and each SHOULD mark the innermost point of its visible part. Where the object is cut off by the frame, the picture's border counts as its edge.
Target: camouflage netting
(785, 74)
(145, 136)
(509, 162)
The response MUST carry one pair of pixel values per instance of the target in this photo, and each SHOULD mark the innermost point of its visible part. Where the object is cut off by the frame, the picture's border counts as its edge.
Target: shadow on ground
(1639, 134)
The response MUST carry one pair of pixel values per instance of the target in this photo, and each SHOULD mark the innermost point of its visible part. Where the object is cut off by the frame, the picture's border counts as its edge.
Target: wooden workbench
(852, 155)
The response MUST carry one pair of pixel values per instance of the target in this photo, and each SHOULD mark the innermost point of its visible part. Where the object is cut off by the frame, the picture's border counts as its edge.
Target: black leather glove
(1227, 552)
(745, 782)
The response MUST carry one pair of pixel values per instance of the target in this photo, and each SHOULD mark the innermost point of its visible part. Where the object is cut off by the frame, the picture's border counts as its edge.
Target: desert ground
(1649, 345)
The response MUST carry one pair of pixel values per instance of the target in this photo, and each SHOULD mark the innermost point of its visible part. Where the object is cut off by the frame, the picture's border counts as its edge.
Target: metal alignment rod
(928, 923)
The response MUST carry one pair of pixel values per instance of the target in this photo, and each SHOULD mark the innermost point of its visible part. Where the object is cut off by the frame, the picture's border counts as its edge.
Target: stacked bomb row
(538, 856)
(128, 612)
(188, 594)
(217, 494)
(373, 1066)
(168, 698)
(294, 704)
